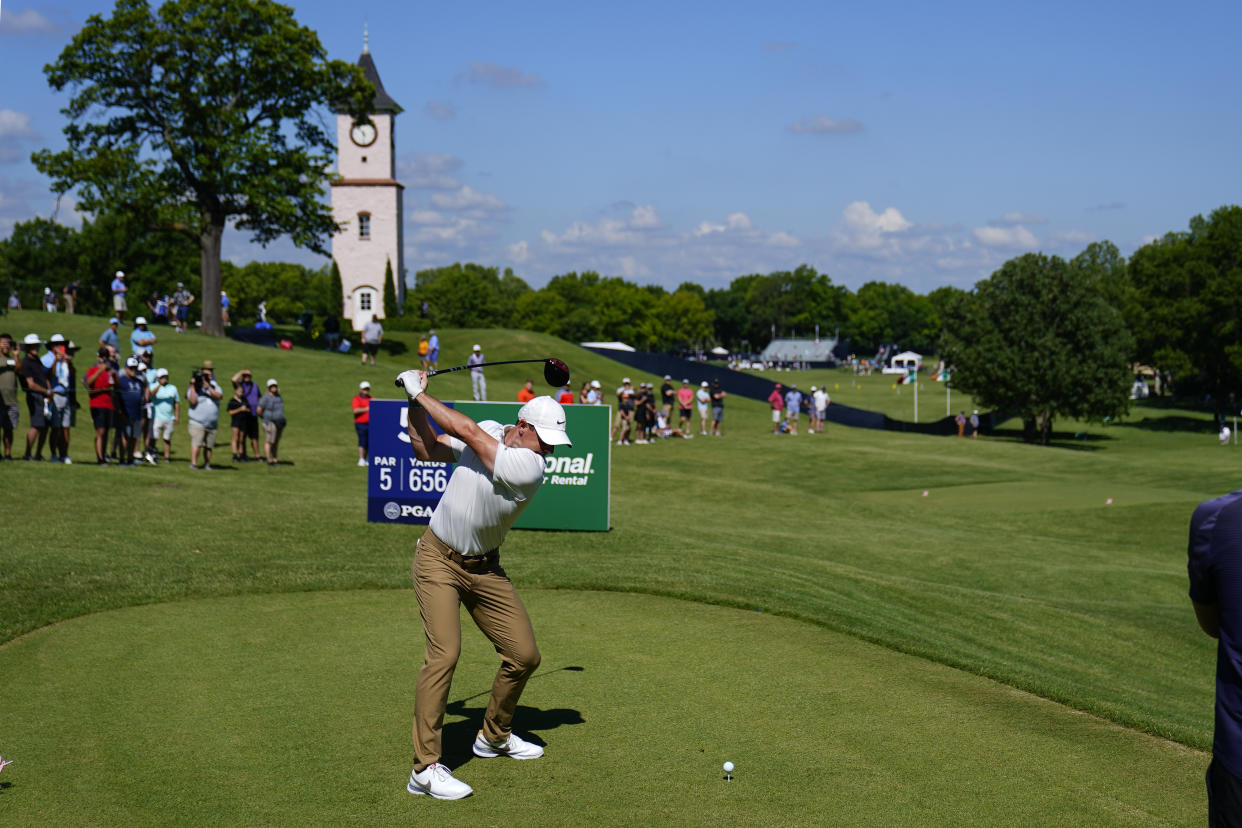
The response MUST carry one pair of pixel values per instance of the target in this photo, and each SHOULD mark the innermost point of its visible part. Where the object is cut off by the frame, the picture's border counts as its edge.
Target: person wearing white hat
(142, 340)
(478, 383)
(271, 411)
(457, 560)
(49, 300)
(118, 295)
(55, 344)
(181, 301)
(595, 395)
(38, 396)
(165, 410)
(362, 420)
(703, 399)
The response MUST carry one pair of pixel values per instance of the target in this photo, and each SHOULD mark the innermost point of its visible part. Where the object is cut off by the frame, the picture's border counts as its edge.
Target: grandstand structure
(800, 350)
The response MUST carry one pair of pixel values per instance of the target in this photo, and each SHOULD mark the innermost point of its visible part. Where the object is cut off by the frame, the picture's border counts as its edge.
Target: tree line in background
(1042, 337)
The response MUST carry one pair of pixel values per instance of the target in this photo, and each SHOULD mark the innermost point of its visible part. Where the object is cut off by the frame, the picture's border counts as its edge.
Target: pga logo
(393, 511)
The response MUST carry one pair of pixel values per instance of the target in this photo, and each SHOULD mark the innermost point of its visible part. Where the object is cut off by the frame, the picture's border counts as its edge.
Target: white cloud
(518, 252)
(1017, 237)
(1076, 238)
(498, 77)
(738, 221)
(26, 21)
(429, 171)
(14, 124)
(1017, 217)
(469, 200)
(706, 228)
(440, 110)
(823, 125)
(862, 228)
(608, 230)
(782, 239)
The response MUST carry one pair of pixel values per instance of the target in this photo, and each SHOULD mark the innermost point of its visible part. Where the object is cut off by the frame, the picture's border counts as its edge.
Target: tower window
(364, 225)
(364, 300)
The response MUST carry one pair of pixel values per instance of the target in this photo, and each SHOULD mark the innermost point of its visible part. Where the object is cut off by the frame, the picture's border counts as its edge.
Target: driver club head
(555, 372)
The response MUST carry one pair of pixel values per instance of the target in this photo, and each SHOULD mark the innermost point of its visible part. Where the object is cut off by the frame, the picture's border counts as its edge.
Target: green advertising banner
(577, 481)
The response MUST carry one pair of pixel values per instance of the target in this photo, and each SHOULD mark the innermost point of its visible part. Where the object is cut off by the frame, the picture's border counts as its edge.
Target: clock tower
(367, 203)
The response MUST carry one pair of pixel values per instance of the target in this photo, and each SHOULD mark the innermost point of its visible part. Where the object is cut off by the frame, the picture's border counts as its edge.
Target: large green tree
(1040, 339)
(1184, 305)
(200, 114)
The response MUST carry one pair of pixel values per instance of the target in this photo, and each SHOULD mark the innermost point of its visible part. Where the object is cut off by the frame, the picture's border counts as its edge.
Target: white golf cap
(142, 320)
(131, 363)
(120, 274)
(594, 383)
(703, 384)
(32, 339)
(477, 348)
(813, 388)
(364, 384)
(56, 339)
(548, 418)
(625, 380)
(666, 376)
(47, 290)
(161, 372)
(270, 383)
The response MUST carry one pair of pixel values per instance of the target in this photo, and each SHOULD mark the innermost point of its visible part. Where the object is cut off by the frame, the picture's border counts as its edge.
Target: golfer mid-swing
(457, 561)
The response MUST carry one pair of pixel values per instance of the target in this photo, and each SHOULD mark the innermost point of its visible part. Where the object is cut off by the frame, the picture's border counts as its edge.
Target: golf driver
(555, 371)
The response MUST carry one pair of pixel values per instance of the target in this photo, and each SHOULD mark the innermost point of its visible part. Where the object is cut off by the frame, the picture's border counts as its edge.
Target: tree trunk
(1028, 429)
(209, 242)
(1045, 427)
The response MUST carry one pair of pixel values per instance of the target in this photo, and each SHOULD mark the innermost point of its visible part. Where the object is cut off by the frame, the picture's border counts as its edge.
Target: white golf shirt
(821, 400)
(478, 509)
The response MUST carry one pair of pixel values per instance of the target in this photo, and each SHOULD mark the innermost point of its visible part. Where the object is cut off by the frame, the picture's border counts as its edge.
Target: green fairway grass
(295, 709)
(1014, 566)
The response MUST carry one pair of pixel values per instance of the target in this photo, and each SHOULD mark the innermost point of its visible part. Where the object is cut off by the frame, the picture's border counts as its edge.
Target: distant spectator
(667, 393)
(38, 396)
(1225, 435)
(624, 423)
(527, 392)
(69, 295)
(974, 424)
(181, 301)
(821, 400)
(478, 383)
(703, 398)
(372, 336)
(584, 392)
(960, 419)
(15, 302)
(132, 393)
(362, 420)
(203, 395)
(663, 429)
(566, 395)
(165, 410)
(793, 408)
(777, 402)
(685, 399)
(250, 392)
(141, 341)
(644, 413)
(718, 401)
(118, 295)
(423, 309)
(422, 351)
(224, 308)
(595, 395)
(10, 412)
(100, 380)
(49, 300)
(148, 373)
(238, 411)
(433, 350)
(272, 412)
(332, 331)
(109, 336)
(55, 344)
(60, 414)
(159, 307)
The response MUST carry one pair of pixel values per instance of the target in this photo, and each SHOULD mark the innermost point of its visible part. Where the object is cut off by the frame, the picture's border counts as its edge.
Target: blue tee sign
(400, 487)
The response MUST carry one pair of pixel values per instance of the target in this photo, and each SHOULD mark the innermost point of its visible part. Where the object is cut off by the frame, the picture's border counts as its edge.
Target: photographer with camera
(203, 395)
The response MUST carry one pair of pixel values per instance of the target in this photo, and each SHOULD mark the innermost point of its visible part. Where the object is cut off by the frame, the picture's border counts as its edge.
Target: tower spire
(366, 40)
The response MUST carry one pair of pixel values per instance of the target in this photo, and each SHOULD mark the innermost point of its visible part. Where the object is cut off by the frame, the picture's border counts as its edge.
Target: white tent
(904, 363)
(718, 351)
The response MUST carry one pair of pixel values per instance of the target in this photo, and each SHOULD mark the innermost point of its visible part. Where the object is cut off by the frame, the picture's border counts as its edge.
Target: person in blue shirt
(433, 350)
(118, 295)
(142, 340)
(109, 337)
(1215, 567)
(132, 395)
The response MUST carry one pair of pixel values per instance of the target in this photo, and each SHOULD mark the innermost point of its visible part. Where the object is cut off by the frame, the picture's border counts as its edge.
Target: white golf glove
(414, 382)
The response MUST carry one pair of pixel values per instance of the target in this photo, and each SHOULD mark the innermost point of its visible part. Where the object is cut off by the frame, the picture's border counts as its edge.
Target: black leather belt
(476, 563)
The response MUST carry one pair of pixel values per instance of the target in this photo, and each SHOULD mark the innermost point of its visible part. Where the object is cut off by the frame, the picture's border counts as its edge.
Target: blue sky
(917, 143)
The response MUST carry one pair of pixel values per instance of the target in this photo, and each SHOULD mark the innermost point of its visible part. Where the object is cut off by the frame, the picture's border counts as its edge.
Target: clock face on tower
(363, 134)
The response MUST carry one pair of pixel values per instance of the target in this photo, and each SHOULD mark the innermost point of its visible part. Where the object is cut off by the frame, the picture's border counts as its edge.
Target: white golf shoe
(515, 747)
(438, 782)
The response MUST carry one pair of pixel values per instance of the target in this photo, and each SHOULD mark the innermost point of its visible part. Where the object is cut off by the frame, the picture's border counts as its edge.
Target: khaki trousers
(442, 586)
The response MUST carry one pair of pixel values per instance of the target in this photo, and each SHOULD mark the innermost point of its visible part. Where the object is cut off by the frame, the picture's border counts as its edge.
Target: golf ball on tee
(728, 767)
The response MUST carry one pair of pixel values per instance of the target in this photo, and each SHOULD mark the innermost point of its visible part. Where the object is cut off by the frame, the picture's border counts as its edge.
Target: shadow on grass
(1074, 441)
(458, 737)
(1173, 422)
